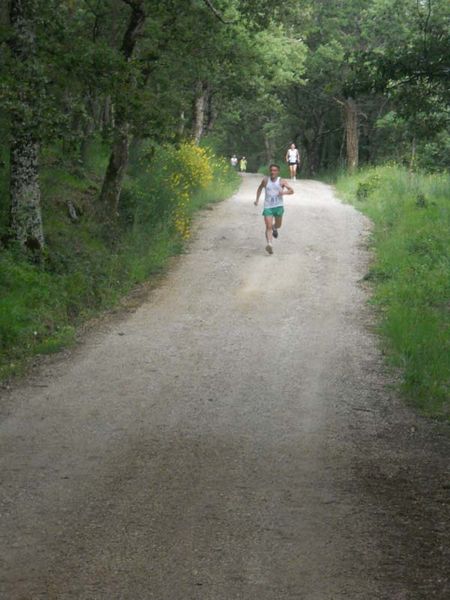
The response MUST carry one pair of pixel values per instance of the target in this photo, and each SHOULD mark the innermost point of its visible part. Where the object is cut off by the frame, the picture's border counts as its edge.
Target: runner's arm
(286, 187)
(262, 185)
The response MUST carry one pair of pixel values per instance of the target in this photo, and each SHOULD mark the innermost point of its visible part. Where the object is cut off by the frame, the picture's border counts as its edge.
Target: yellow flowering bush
(192, 171)
(194, 166)
(173, 183)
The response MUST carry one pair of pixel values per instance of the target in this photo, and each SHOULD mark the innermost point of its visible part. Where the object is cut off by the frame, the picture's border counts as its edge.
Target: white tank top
(292, 155)
(273, 193)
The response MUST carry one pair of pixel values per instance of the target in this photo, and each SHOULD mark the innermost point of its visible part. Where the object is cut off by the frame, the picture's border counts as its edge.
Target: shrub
(366, 187)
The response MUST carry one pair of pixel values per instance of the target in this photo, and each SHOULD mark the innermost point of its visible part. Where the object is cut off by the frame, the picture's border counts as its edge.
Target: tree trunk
(200, 106)
(325, 152)
(115, 172)
(107, 115)
(351, 133)
(25, 194)
(182, 124)
(118, 160)
(315, 148)
(88, 127)
(269, 149)
(212, 113)
(412, 162)
(308, 145)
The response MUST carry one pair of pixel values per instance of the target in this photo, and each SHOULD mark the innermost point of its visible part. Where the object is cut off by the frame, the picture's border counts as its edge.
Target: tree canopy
(349, 81)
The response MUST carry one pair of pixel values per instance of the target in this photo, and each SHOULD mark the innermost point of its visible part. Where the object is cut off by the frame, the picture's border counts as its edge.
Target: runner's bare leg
(269, 228)
(278, 222)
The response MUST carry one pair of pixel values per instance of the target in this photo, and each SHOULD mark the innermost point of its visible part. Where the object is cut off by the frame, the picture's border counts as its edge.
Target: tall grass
(89, 265)
(411, 275)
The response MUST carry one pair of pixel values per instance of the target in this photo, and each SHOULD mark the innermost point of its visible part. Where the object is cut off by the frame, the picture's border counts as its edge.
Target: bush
(434, 156)
(367, 186)
(167, 188)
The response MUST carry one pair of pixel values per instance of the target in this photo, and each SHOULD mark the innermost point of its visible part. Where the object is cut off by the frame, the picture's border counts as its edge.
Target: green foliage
(411, 274)
(433, 155)
(274, 74)
(409, 67)
(367, 186)
(88, 267)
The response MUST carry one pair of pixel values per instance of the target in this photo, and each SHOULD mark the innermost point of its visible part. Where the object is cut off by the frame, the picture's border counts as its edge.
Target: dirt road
(233, 438)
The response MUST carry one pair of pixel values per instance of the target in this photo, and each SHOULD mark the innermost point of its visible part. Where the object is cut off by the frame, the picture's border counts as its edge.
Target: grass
(87, 266)
(411, 275)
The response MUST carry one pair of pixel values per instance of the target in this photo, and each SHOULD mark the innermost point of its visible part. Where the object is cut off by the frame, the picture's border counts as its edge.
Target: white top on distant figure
(293, 155)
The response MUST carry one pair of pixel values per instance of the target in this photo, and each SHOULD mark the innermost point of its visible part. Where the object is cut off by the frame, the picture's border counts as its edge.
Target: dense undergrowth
(90, 262)
(411, 275)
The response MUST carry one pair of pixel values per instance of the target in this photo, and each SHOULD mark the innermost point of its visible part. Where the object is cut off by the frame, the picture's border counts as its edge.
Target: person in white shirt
(293, 160)
(275, 188)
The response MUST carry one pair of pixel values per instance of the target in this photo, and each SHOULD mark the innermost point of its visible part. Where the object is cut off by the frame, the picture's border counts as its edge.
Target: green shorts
(277, 211)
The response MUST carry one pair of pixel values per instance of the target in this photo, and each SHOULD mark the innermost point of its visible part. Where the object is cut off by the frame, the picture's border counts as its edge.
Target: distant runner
(243, 164)
(273, 211)
(234, 161)
(293, 160)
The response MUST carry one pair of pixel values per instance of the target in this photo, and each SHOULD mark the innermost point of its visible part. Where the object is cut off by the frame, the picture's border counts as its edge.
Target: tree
(118, 160)
(25, 194)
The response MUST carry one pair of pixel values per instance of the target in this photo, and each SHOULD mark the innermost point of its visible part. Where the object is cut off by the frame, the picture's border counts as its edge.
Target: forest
(118, 118)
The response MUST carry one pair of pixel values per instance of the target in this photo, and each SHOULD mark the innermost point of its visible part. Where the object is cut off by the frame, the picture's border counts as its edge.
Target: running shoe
(275, 232)
(269, 248)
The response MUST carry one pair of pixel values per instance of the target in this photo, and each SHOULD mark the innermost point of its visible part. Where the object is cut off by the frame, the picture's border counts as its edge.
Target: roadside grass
(410, 275)
(90, 264)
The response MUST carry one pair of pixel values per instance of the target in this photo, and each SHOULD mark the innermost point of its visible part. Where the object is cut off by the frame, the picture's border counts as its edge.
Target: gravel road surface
(235, 437)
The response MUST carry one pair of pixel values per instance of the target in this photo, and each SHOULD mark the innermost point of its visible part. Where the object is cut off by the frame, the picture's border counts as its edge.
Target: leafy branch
(217, 13)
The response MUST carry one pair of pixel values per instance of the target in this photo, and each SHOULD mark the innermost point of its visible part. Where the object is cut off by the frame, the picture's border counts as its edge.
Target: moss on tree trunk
(25, 194)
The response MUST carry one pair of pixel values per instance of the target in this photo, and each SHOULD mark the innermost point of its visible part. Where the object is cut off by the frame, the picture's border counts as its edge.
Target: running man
(273, 211)
(243, 165)
(293, 160)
